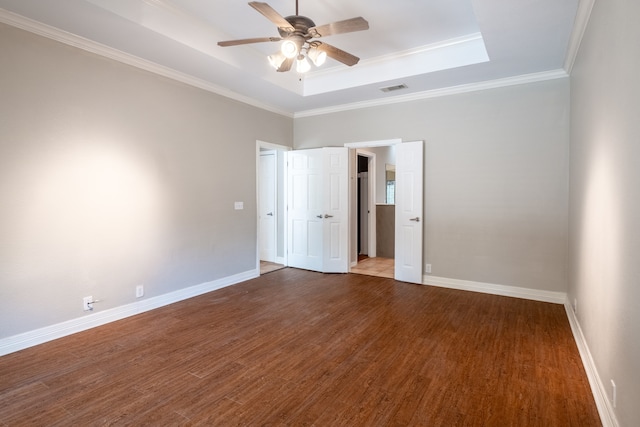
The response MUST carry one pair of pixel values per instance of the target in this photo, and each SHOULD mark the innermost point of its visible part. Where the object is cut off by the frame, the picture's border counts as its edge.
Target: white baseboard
(604, 405)
(490, 288)
(59, 330)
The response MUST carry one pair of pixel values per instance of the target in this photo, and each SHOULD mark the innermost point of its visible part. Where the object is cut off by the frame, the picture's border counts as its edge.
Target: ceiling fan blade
(340, 27)
(271, 15)
(248, 41)
(338, 54)
(286, 65)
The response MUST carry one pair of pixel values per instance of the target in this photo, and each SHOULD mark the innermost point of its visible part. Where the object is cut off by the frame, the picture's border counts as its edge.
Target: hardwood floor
(300, 348)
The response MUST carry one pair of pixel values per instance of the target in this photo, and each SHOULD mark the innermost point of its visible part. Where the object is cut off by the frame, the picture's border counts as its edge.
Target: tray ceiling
(426, 46)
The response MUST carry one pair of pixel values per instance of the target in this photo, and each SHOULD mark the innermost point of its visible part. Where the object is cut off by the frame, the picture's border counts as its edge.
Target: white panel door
(336, 210)
(409, 193)
(305, 213)
(267, 207)
(318, 210)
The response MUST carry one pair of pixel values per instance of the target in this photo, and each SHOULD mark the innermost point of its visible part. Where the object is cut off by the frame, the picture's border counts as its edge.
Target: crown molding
(79, 42)
(395, 56)
(370, 144)
(579, 27)
(444, 55)
(436, 93)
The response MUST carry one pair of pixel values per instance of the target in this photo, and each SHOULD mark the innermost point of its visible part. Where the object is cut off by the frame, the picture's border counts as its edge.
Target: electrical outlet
(139, 291)
(614, 393)
(87, 303)
(427, 268)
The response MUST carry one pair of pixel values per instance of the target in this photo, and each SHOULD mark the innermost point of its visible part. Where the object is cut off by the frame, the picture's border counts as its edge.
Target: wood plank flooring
(300, 348)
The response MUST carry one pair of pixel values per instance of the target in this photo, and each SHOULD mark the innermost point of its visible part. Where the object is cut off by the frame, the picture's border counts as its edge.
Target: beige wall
(384, 155)
(496, 177)
(385, 231)
(111, 177)
(605, 199)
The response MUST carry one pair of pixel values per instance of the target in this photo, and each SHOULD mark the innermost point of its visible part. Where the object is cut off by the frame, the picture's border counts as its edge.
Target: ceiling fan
(297, 34)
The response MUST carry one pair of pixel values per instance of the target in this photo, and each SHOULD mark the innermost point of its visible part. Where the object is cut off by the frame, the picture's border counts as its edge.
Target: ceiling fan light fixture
(317, 56)
(289, 49)
(276, 59)
(296, 36)
(302, 65)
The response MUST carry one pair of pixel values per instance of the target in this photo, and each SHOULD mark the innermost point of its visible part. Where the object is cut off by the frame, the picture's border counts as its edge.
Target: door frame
(360, 148)
(353, 194)
(281, 174)
(275, 213)
(371, 190)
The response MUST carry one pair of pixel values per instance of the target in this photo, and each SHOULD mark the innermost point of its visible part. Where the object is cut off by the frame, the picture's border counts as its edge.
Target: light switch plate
(238, 206)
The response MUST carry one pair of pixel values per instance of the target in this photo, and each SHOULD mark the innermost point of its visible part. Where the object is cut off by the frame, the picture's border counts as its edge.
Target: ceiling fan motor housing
(301, 25)
(299, 36)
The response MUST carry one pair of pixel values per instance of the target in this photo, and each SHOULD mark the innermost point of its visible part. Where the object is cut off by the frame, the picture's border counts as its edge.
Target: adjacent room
(432, 217)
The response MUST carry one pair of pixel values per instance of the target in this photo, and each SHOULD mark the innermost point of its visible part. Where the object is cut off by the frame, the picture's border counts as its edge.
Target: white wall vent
(393, 88)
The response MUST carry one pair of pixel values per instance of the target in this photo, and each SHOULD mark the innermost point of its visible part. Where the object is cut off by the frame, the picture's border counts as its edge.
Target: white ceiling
(429, 45)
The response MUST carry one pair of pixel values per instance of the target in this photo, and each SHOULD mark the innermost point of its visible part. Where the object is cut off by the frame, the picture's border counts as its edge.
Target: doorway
(267, 213)
(408, 205)
(365, 201)
(270, 186)
(337, 247)
(375, 213)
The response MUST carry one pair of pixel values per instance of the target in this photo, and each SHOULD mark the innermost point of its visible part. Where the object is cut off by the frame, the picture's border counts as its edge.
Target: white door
(409, 193)
(267, 206)
(336, 210)
(305, 215)
(318, 209)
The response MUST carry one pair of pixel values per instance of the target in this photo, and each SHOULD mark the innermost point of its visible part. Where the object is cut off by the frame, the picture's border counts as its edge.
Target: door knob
(270, 214)
(416, 219)
(328, 216)
(319, 216)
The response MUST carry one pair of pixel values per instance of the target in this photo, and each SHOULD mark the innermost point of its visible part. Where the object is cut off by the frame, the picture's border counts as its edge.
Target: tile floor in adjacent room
(268, 267)
(380, 267)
